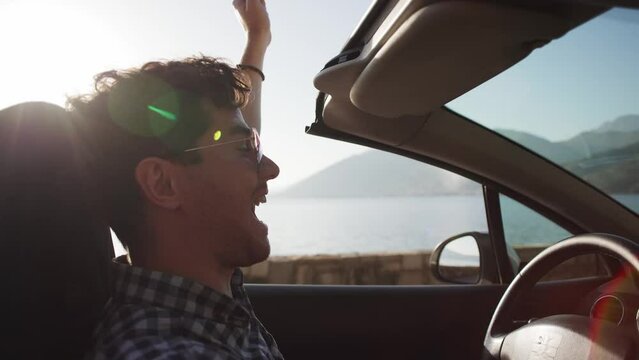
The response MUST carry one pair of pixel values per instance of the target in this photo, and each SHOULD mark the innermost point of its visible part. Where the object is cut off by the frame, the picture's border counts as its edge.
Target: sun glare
(50, 51)
(47, 49)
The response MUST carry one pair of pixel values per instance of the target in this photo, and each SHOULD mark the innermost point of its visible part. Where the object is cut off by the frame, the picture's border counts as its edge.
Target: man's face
(221, 192)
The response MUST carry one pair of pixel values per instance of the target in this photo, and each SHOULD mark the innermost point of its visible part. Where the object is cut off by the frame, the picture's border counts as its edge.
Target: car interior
(387, 90)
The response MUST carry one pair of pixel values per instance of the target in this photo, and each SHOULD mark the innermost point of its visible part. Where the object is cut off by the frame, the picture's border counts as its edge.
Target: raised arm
(256, 23)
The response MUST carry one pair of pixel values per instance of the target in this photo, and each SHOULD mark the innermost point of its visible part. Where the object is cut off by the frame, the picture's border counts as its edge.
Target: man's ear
(157, 179)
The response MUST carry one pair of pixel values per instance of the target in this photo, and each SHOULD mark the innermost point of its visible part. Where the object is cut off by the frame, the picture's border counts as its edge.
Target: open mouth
(256, 202)
(259, 200)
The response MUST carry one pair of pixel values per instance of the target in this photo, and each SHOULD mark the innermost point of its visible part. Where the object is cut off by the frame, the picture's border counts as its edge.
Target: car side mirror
(464, 259)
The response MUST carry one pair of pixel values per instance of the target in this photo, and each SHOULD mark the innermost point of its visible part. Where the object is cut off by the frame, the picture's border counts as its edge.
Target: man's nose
(268, 168)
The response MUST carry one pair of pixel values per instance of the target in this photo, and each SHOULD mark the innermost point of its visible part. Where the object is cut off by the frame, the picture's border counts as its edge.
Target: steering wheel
(560, 337)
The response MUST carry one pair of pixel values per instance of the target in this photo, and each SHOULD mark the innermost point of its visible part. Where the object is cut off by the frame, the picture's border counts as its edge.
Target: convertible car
(414, 79)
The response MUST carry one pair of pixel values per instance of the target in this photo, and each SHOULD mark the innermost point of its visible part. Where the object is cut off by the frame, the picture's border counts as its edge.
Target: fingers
(245, 5)
(254, 17)
(240, 5)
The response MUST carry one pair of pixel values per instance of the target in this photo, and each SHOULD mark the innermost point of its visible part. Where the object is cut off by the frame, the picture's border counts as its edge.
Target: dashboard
(616, 301)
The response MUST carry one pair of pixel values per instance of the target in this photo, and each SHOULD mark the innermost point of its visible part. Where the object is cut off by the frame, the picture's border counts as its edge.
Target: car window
(373, 218)
(524, 227)
(528, 233)
(574, 102)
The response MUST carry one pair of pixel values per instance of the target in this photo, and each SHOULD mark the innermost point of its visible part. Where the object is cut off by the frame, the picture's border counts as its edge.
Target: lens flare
(607, 309)
(165, 114)
(217, 135)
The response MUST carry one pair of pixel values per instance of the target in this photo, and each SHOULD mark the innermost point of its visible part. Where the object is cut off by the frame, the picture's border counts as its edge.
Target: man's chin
(255, 255)
(261, 250)
(258, 248)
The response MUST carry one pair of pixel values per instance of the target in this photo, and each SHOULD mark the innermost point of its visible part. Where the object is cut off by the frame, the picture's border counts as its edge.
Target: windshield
(575, 102)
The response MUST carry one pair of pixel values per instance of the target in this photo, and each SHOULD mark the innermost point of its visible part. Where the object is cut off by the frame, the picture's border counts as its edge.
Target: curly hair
(155, 110)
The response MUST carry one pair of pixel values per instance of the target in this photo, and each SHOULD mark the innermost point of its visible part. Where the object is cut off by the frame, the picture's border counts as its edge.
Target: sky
(53, 50)
(575, 83)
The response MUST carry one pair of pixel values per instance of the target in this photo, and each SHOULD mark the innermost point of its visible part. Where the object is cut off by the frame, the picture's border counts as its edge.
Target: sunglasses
(252, 142)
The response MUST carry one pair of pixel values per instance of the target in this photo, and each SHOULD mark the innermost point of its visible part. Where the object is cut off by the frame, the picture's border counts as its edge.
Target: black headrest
(54, 246)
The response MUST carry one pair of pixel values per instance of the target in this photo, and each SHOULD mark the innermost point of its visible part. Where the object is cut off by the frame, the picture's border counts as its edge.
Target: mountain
(590, 143)
(607, 157)
(558, 152)
(378, 173)
(627, 123)
(614, 171)
(617, 133)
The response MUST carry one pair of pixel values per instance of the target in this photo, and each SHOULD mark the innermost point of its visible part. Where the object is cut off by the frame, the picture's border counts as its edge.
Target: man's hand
(255, 20)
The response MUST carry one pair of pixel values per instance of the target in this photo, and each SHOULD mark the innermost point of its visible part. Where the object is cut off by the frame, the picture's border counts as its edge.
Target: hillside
(627, 123)
(558, 152)
(590, 143)
(377, 173)
(618, 133)
(607, 157)
(613, 171)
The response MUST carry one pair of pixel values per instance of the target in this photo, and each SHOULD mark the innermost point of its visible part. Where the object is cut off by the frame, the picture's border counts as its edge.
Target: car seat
(54, 246)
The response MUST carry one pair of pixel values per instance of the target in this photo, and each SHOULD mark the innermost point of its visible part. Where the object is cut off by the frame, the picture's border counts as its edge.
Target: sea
(314, 226)
(311, 226)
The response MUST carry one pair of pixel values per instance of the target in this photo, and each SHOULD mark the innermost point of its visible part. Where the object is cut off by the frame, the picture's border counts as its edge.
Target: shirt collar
(134, 284)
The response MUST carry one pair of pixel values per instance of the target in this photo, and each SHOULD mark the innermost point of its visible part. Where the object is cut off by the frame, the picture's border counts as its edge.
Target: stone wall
(347, 269)
(383, 268)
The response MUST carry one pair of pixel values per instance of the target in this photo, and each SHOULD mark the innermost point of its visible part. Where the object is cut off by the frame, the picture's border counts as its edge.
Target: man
(178, 156)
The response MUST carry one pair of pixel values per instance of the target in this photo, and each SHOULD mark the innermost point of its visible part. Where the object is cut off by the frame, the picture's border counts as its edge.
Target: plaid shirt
(154, 315)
